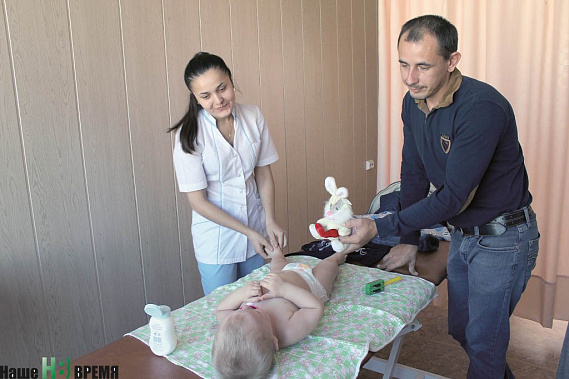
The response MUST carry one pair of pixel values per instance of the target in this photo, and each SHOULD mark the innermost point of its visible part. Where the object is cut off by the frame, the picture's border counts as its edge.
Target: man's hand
(400, 255)
(363, 231)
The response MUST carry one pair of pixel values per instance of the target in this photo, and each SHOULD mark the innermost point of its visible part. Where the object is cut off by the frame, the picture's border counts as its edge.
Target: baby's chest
(279, 308)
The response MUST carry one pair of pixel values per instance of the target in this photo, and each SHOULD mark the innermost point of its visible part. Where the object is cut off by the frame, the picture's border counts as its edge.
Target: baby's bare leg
(327, 270)
(278, 259)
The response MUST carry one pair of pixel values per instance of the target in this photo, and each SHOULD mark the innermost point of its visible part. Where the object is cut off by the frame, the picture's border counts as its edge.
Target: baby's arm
(305, 319)
(250, 292)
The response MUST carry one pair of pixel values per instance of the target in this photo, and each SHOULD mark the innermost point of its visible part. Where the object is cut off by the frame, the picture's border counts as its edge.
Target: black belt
(499, 225)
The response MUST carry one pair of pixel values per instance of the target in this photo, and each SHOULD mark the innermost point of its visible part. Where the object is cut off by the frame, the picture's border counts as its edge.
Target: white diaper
(305, 272)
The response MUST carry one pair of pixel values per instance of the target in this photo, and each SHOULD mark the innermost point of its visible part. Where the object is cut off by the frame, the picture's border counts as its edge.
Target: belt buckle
(462, 231)
(497, 229)
(490, 229)
(465, 231)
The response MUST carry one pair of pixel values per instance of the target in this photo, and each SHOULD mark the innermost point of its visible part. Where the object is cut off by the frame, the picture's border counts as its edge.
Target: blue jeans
(486, 278)
(214, 276)
(563, 369)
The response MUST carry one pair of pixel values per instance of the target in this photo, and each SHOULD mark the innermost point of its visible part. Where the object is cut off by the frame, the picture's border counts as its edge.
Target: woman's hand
(276, 234)
(260, 244)
(200, 203)
(266, 185)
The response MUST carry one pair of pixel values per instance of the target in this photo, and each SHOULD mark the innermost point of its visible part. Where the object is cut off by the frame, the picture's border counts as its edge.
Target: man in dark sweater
(460, 135)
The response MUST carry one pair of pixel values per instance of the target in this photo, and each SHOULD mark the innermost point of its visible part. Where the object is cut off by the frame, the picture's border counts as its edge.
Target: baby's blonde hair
(241, 352)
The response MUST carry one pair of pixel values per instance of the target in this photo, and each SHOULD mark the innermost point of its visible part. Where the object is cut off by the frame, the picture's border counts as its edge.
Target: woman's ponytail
(189, 126)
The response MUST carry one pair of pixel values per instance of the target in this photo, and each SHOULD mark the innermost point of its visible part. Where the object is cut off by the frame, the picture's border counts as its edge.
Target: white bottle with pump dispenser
(163, 338)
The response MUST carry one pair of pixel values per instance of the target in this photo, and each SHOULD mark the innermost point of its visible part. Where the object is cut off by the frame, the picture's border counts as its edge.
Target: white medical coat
(226, 172)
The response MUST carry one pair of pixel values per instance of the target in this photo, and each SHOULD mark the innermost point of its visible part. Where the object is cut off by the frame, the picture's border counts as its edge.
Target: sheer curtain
(522, 49)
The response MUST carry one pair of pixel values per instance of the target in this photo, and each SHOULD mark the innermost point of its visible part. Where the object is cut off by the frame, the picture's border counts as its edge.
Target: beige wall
(91, 224)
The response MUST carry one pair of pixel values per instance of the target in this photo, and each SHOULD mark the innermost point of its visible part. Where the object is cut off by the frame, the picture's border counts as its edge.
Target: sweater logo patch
(445, 143)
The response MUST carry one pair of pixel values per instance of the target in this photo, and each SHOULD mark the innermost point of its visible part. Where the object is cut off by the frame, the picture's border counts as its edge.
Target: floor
(533, 353)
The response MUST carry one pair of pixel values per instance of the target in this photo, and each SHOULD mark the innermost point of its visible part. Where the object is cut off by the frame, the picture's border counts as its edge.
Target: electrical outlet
(370, 164)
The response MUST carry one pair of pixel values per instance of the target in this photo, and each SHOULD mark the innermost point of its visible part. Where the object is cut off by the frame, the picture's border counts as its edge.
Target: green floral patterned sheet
(353, 324)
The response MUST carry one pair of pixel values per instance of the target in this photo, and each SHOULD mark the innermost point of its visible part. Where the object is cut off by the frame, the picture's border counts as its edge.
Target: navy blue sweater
(484, 159)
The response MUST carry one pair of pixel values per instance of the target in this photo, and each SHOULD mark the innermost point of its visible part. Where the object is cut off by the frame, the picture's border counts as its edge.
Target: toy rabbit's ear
(330, 184)
(342, 192)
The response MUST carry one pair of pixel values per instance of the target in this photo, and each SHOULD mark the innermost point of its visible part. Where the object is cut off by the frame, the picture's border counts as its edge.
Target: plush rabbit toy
(337, 211)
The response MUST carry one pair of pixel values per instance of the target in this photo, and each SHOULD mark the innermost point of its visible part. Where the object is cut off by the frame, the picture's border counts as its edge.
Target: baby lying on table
(261, 317)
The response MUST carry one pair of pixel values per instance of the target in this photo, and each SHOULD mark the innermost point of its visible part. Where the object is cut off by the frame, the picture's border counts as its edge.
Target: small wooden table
(134, 360)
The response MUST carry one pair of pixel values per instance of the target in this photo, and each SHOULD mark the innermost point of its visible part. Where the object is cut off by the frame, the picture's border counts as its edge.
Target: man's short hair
(439, 27)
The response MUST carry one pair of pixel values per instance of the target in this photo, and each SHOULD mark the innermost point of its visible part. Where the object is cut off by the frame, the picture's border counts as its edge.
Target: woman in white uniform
(222, 156)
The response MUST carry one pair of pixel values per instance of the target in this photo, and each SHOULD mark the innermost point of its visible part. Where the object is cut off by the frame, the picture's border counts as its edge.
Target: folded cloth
(369, 255)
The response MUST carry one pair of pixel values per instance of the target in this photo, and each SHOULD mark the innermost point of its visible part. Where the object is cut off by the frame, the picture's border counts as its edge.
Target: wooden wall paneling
(372, 97)
(46, 94)
(272, 98)
(388, 93)
(345, 154)
(108, 164)
(390, 132)
(332, 143)
(245, 46)
(182, 28)
(216, 29)
(294, 123)
(21, 292)
(358, 191)
(316, 192)
(147, 96)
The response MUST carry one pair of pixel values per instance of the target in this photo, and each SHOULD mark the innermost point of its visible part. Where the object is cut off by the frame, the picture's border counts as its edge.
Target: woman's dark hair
(437, 26)
(200, 63)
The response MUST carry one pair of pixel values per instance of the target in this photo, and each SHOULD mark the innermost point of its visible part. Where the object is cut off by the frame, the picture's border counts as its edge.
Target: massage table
(354, 326)
(431, 267)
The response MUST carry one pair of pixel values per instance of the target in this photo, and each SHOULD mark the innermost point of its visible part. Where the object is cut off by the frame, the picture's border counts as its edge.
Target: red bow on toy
(332, 233)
